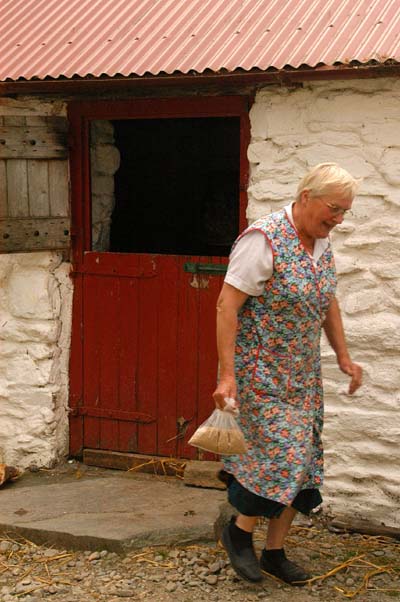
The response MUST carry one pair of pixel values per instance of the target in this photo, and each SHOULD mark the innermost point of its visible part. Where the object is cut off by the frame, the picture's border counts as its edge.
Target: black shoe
(243, 559)
(284, 569)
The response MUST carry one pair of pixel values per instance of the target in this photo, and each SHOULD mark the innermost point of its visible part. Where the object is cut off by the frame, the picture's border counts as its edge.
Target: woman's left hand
(353, 370)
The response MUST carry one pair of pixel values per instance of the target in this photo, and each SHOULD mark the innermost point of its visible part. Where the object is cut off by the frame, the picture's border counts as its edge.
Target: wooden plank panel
(91, 430)
(117, 265)
(36, 120)
(169, 283)
(118, 414)
(148, 359)
(109, 326)
(91, 357)
(32, 142)
(128, 435)
(27, 234)
(17, 185)
(38, 188)
(14, 120)
(139, 462)
(59, 188)
(3, 189)
(14, 106)
(187, 358)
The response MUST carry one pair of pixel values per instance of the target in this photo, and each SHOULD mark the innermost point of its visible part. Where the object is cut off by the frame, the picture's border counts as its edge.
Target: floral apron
(278, 369)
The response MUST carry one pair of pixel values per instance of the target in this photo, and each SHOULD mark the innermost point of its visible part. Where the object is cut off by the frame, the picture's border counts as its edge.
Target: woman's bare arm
(229, 303)
(334, 331)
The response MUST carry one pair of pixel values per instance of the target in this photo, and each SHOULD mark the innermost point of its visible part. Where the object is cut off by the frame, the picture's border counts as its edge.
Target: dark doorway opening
(177, 188)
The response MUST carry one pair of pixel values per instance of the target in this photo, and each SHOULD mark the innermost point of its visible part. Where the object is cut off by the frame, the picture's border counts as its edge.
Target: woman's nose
(338, 218)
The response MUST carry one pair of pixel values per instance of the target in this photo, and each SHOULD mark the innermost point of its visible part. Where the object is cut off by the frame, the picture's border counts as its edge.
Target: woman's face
(322, 214)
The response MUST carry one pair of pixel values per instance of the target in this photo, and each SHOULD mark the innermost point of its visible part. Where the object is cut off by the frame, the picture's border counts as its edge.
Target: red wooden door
(143, 354)
(149, 354)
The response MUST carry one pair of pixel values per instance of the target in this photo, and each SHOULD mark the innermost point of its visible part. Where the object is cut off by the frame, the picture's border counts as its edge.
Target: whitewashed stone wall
(356, 124)
(35, 326)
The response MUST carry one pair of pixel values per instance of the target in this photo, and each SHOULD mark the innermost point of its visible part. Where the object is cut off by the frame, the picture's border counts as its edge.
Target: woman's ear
(304, 197)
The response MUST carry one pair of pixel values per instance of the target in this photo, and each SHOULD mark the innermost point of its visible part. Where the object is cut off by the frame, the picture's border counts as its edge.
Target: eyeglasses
(336, 210)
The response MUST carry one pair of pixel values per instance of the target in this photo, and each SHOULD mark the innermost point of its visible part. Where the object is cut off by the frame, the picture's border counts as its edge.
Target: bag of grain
(220, 433)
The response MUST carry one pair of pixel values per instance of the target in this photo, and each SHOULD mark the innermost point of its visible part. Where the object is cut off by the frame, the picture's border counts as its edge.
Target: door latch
(212, 269)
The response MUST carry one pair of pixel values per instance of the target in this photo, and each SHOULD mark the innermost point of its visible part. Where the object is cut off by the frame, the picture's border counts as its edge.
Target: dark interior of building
(177, 189)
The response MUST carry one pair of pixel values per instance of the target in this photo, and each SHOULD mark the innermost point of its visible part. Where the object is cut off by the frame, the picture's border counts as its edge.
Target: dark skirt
(250, 504)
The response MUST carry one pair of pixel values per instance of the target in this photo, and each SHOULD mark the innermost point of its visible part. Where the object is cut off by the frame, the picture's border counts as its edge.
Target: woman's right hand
(226, 388)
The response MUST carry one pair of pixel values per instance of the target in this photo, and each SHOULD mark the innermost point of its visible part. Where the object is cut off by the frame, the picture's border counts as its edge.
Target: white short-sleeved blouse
(251, 261)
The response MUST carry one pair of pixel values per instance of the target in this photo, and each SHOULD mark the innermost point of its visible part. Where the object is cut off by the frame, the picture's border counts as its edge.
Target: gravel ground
(363, 568)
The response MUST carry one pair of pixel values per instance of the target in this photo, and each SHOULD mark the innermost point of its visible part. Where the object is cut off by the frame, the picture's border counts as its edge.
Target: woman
(278, 292)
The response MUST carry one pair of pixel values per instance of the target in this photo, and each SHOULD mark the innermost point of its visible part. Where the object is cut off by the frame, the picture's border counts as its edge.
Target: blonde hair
(326, 179)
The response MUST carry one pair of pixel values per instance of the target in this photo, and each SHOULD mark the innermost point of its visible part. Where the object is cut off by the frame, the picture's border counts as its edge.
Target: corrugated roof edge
(353, 70)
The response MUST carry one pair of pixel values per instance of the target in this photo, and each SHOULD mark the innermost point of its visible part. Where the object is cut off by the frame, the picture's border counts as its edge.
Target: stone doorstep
(63, 540)
(195, 473)
(199, 473)
(99, 513)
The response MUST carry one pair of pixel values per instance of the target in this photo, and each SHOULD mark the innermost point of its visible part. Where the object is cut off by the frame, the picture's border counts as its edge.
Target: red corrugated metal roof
(66, 38)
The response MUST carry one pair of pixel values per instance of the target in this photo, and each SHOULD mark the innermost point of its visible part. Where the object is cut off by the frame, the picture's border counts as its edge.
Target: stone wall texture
(356, 124)
(35, 326)
(104, 162)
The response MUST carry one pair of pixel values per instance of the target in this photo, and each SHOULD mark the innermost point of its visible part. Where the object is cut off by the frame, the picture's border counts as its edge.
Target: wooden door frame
(80, 114)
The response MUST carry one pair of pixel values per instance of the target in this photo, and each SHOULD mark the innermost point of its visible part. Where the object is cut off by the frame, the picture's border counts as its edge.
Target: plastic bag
(220, 433)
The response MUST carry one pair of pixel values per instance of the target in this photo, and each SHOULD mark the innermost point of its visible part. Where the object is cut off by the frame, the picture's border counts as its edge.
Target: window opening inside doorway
(176, 190)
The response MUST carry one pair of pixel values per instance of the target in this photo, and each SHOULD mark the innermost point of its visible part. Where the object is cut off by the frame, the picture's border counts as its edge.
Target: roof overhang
(255, 78)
